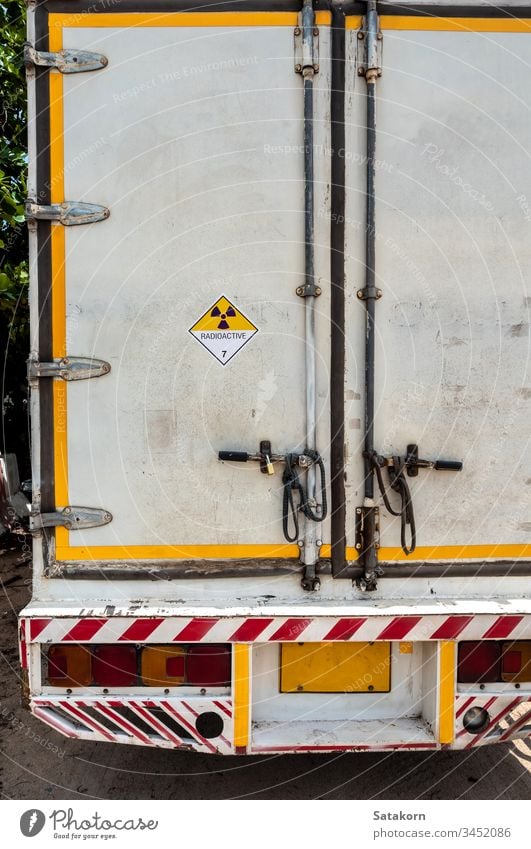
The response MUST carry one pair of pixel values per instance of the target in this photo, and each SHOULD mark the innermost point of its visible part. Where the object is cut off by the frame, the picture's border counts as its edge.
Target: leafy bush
(14, 321)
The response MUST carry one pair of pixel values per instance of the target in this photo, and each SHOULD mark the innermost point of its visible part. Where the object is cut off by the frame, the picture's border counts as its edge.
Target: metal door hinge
(73, 518)
(369, 52)
(306, 56)
(68, 368)
(68, 213)
(65, 61)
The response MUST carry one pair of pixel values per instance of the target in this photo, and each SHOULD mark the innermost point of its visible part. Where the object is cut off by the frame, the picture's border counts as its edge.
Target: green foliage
(14, 326)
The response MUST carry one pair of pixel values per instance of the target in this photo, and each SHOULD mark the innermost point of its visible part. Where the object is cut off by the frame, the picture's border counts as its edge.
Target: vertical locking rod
(369, 550)
(310, 550)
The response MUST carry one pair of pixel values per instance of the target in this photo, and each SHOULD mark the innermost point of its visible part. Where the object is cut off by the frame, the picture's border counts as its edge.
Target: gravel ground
(37, 763)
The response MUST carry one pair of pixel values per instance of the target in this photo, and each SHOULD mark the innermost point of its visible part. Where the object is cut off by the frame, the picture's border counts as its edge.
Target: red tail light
(175, 667)
(121, 665)
(478, 662)
(512, 662)
(114, 666)
(208, 666)
(516, 662)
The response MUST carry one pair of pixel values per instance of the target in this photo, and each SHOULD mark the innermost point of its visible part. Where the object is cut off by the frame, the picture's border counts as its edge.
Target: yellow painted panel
(184, 19)
(420, 22)
(447, 655)
(176, 552)
(241, 696)
(335, 667)
(454, 552)
(415, 23)
(280, 551)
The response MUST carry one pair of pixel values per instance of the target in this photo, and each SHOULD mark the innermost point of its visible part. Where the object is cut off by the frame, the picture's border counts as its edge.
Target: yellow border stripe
(241, 696)
(450, 553)
(397, 22)
(58, 250)
(417, 23)
(184, 19)
(177, 552)
(447, 653)
(353, 21)
(58, 246)
(458, 552)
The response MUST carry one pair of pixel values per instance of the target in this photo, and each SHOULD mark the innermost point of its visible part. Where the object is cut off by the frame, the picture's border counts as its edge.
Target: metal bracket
(73, 518)
(369, 57)
(65, 61)
(412, 458)
(369, 292)
(359, 527)
(68, 213)
(68, 368)
(309, 290)
(304, 59)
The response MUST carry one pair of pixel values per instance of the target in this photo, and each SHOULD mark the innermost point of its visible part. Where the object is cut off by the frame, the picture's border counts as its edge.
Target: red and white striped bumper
(170, 723)
(166, 723)
(173, 720)
(280, 629)
(510, 719)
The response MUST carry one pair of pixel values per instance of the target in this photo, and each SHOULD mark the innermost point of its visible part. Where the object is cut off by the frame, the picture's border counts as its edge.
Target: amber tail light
(492, 661)
(204, 665)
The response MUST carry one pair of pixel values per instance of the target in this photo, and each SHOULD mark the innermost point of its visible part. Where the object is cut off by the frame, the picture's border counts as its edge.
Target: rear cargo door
(192, 138)
(453, 259)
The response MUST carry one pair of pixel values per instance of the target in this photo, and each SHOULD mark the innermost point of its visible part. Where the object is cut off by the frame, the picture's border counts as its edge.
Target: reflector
(512, 662)
(69, 666)
(478, 662)
(114, 666)
(162, 666)
(516, 662)
(130, 665)
(208, 666)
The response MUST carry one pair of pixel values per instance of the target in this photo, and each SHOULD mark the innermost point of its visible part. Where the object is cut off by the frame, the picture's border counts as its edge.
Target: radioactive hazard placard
(223, 330)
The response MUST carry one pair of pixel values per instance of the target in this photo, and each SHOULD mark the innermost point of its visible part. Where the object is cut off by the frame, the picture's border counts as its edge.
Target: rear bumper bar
(173, 723)
(177, 721)
(48, 625)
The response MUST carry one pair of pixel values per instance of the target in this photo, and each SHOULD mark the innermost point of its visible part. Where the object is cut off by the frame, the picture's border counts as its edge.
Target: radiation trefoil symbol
(223, 330)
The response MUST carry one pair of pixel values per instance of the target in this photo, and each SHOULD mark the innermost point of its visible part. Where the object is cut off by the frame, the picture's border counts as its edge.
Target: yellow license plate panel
(335, 667)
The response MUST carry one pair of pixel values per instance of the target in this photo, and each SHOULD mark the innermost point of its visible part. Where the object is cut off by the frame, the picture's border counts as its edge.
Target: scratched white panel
(453, 187)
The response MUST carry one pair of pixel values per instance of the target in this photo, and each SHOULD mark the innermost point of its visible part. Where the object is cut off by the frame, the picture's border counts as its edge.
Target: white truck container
(280, 267)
